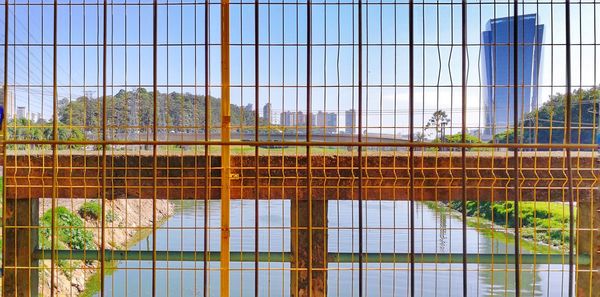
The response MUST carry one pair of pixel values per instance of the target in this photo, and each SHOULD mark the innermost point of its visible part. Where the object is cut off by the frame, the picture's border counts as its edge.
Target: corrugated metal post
(225, 153)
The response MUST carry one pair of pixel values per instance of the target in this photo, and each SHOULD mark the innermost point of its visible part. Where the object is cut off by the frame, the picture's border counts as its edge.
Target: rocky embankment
(125, 220)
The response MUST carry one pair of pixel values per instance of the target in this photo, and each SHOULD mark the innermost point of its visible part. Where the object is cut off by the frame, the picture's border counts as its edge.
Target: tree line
(129, 111)
(545, 124)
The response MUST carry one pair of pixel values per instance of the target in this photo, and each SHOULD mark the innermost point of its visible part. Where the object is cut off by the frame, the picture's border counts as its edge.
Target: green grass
(546, 222)
(249, 150)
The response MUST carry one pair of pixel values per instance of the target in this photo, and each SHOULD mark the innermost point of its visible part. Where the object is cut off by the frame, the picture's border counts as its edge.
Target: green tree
(129, 111)
(437, 121)
(547, 123)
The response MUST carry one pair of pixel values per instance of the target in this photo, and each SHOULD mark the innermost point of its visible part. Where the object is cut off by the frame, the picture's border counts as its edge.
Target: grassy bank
(545, 222)
(77, 227)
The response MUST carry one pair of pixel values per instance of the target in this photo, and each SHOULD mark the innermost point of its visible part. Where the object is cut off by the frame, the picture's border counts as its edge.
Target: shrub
(69, 230)
(90, 209)
(111, 216)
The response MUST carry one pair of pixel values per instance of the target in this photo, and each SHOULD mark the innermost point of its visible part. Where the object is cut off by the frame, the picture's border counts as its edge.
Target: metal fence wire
(300, 148)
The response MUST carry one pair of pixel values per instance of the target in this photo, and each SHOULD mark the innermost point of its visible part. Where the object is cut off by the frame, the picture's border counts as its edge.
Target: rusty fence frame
(226, 177)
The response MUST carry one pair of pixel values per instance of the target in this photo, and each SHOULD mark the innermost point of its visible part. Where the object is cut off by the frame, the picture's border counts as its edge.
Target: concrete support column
(588, 242)
(21, 270)
(303, 252)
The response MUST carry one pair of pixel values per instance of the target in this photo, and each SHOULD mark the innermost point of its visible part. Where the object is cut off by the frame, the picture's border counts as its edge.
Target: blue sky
(282, 43)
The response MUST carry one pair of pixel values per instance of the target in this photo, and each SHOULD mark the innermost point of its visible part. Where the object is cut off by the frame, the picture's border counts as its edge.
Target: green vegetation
(547, 123)
(485, 227)
(111, 216)
(70, 230)
(507, 136)
(457, 138)
(91, 210)
(23, 129)
(439, 119)
(249, 150)
(128, 109)
(70, 233)
(546, 222)
(92, 285)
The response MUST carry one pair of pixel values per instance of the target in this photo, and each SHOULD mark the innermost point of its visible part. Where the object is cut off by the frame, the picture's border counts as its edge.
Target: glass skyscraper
(499, 68)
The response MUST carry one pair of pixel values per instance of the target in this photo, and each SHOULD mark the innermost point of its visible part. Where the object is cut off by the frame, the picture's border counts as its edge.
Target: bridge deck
(437, 176)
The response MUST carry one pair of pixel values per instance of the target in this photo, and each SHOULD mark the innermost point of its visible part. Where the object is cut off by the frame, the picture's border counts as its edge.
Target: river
(386, 230)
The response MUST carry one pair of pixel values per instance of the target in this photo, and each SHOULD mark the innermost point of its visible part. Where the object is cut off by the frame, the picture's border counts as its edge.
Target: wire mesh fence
(300, 148)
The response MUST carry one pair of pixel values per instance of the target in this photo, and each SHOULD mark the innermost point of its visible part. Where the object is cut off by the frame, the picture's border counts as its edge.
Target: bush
(90, 209)
(69, 230)
(111, 216)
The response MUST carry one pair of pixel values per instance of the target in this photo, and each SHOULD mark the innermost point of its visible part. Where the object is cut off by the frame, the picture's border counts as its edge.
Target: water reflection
(386, 230)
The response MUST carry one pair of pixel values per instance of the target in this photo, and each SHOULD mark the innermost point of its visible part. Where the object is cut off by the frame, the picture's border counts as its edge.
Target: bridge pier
(305, 249)
(21, 269)
(588, 242)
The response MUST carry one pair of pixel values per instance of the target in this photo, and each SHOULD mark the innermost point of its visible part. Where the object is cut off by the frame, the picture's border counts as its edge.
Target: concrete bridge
(435, 176)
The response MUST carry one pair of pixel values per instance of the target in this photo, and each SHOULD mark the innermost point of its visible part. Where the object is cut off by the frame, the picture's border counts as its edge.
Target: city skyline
(282, 75)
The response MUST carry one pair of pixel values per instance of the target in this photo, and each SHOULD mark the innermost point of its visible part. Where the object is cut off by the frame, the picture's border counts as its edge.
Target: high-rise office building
(498, 63)
(350, 121)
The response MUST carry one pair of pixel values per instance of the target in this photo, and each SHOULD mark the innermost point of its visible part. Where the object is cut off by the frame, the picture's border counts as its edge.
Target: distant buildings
(350, 121)
(35, 117)
(292, 119)
(10, 105)
(499, 68)
(326, 122)
(287, 118)
(267, 113)
(321, 122)
(21, 112)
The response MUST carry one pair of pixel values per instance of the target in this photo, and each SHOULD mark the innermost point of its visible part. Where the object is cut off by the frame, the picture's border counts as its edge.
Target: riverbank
(125, 219)
(543, 224)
